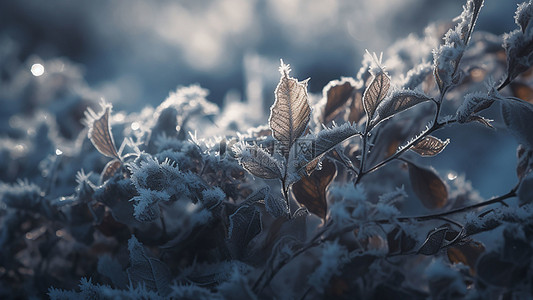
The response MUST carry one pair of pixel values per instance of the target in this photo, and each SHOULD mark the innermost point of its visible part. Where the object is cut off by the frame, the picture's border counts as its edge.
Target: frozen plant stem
(435, 126)
(286, 193)
(258, 286)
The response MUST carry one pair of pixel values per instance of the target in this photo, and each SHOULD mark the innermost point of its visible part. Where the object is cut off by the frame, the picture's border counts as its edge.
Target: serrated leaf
(112, 269)
(323, 142)
(100, 132)
(375, 92)
(258, 162)
(276, 205)
(518, 116)
(466, 253)
(434, 241)
(244, 225)
(311, 190)
(146, 270)
(430, 146)
(290, 113)
(337, 94)
(429, 188)
(398, 102)
(110, 169)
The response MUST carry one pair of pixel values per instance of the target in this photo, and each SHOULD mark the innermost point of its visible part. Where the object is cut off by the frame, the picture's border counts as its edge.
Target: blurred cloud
(136, 51)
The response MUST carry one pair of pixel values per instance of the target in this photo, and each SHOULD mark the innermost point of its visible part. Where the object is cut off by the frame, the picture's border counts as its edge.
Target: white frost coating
(477, 101)
(333, 257)
(257, 161)
(523, 15)
(439, 271)
(447, 56)
(349, 204)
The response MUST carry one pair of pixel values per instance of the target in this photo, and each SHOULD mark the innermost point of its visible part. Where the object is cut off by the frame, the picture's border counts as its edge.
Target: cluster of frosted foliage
(369, 189)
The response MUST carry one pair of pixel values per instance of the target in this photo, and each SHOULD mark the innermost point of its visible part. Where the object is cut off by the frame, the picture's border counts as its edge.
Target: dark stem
(499, 199)
(258, 286)
(286, 195)
(363, 157)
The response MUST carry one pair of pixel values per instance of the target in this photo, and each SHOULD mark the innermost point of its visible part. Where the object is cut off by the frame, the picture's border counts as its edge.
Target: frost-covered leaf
(89, 290)
(146, 270)
(524, 13)
(429, 188)
(110, 169)
(444, 281)
(276, 205)
(22, 195)
(337, 94)
(244, 225)
(518, 116)
(333, 257)
(257, 161)
(311, 190)
(518, 44)
(237, 286)
(525, 161)
(100, 131)
(146, 207)
(290, 113)
(481, 120)
(112, 269)
(466, 253)
(324, 141)
(434, 241)
(399, 241)
(447, 56)
(376, 91)
(398, 102)
(430, 146)
(476, 224)
(474, 103)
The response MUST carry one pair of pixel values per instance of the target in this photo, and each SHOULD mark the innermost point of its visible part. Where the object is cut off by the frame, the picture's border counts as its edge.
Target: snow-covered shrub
(334, 198)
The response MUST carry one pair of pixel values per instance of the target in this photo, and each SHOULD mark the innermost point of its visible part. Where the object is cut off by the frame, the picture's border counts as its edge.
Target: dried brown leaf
(337, 93)
(467, 253)
(430, 146)
(110, 169)
(311, 190)
(429, 188)
(398, 102)
(356, 108)
(100, 132)
(375, 93)
(290, 113)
